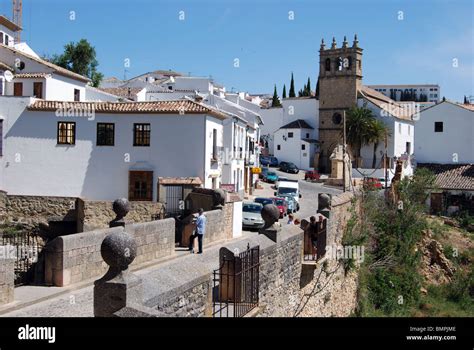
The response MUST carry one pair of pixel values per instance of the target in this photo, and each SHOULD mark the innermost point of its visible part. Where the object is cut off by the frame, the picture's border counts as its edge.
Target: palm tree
(362, 129)
(378, 130)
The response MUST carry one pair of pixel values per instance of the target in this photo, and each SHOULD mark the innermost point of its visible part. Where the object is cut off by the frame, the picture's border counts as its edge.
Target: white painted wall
(237, 220)
(60, 88)
(457, 138)
(99, 172)
(400, 132)
(293, 109)
(27, 86)
(212, 170)
(11, 36)
(291, 149)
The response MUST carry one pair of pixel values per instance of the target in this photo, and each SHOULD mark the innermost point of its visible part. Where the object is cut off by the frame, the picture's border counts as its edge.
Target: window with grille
(140, 186)
(141, 134)
(66, 133)
(105, 134)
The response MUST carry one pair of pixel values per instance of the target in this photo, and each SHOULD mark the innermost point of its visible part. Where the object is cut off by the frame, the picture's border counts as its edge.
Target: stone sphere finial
(270, 214)
(121, 207)
(118, 250)
(218, 197)
(324, 201)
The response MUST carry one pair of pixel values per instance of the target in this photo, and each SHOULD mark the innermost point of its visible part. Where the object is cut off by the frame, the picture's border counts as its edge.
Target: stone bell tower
(340, 77)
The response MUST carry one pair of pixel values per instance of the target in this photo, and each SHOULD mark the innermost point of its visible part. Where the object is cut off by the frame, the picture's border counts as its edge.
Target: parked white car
(251, 215)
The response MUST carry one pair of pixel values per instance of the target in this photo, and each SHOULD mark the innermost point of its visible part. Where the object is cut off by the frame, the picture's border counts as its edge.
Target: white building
(431, 91)
(295, 142)
(23, 74)
(107, 150)
(445, 134)
(401, 131)
(296, 108)
(242, 130)
(7, 31)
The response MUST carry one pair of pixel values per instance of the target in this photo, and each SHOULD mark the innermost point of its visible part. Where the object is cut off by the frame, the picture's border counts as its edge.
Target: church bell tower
(340, 77)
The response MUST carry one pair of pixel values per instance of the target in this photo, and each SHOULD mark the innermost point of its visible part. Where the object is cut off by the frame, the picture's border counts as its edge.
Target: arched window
(328, 64)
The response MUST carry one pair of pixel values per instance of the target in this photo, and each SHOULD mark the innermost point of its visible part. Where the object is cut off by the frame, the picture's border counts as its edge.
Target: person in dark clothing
(313, 227)
(199, 231)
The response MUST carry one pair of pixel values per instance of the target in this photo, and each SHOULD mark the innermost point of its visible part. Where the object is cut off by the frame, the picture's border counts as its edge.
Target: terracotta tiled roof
(383, 102)
(57, 69)
(155, 107)
(32, 75)
(5, 66)
(468, 106)
(297, 124)
(122, 91)
(452, 176)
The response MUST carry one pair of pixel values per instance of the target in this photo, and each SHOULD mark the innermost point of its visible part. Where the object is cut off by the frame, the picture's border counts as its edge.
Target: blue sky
(418, 49)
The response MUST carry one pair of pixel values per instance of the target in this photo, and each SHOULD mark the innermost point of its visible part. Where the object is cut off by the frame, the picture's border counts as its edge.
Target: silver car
(251, 217)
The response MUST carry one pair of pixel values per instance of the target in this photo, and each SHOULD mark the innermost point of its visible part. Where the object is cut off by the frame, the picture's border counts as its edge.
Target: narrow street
(309, 191)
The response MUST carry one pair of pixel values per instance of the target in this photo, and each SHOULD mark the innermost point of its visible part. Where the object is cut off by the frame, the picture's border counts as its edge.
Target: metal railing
(312, 251)
(236, 283)
(25, 248)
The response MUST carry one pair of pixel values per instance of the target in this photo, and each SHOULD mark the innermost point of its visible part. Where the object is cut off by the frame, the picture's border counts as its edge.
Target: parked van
(289, 188)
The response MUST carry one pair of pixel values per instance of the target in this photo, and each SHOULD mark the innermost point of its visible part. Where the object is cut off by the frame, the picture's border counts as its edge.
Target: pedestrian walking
(199, 231)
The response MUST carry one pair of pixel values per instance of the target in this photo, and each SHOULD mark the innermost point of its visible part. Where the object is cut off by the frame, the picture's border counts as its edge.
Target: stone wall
(94, 215)
(36, 209)
(219, 224)
(288, 286)
(76, 258)
(7, 280)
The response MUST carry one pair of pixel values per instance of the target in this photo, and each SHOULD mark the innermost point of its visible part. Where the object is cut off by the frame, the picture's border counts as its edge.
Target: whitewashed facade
(33, 76)
(401, 133)
(302, 108)
(34, 163)
(445, 134)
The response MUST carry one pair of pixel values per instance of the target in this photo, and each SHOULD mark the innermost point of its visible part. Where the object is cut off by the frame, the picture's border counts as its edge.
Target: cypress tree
(317, 90)
(308, 87)
(275, 99)
(283, 95)
(292, 87)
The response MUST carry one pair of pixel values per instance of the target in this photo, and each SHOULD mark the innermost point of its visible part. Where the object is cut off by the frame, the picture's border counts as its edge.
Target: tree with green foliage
(308, 87)
(80, 58)
(284, 91)
(377, 132)
(292, 87)
(362, 128)
(275, 100)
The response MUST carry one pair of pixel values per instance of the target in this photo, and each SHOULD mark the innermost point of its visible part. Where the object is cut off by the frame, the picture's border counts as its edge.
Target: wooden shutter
(38, 89)
(18, 89)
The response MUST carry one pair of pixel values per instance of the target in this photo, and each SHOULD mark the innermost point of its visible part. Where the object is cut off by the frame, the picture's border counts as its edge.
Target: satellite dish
(8, 76)
(20, 65)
